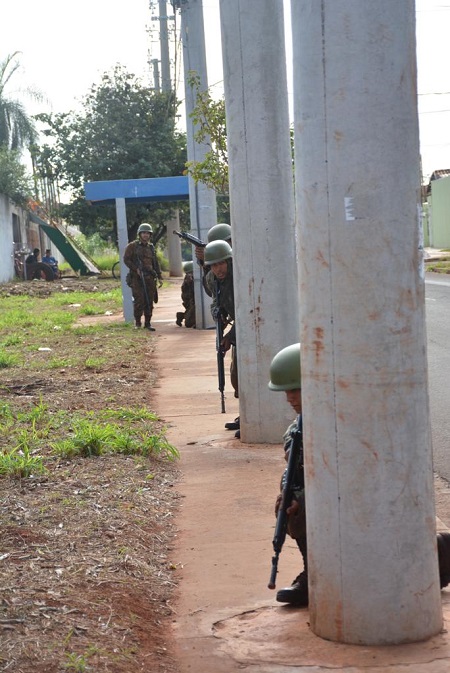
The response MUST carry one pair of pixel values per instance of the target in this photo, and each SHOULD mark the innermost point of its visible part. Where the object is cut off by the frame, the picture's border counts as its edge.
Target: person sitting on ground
(33, 257)
(51, 261)
(285, 376)
(187, 297)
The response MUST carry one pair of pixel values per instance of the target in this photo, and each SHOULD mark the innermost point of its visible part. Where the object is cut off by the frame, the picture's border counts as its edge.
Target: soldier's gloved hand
(200, 254)
(293, 507)
(226, 343)
(160, 282)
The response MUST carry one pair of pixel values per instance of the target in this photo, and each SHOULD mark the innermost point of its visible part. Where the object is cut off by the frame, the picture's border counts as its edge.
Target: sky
(66, 47)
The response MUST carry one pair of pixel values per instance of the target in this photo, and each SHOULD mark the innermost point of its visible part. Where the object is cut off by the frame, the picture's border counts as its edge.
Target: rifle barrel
(272, 581)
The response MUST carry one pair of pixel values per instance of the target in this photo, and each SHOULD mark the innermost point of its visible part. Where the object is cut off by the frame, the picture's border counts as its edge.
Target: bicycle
(116, 270)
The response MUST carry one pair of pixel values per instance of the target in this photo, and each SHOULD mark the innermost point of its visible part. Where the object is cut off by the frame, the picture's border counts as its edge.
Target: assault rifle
(190, 238)
(286, 499)
(144, 285)
(219, 348)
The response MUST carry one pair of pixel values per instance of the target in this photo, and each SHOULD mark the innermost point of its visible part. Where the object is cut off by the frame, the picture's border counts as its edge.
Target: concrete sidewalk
(226, 620)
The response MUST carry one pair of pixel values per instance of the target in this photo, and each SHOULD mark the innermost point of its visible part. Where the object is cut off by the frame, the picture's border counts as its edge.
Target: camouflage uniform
(139, 255)
(226, 306)
(188, 301)
(297, 522)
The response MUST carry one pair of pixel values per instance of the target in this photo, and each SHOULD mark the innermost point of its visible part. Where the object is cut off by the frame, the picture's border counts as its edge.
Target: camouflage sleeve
(206, 279)
(129, 257)
(156, 266)
(212, 289)
(287, 437)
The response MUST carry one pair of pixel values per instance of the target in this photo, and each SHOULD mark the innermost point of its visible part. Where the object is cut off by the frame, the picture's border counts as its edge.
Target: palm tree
(17, 129)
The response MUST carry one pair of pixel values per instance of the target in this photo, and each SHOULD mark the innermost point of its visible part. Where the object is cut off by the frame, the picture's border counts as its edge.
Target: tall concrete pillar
(262, 206)
(369, 490)
(174, 247)
(122, 235)
(202, 200)
(166, 84)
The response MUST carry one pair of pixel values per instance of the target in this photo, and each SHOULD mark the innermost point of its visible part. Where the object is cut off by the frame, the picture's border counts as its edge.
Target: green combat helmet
(145, 228)
(188, 267)
(285, 373)
(219, 232)
(217, 251)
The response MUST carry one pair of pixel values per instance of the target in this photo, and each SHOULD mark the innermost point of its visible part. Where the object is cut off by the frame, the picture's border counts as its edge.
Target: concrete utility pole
(164, 43)
(370, 506)
(173, 242)
(202, 200)
(262, 206)
(155, 64)
(174, 247)
(122, 234)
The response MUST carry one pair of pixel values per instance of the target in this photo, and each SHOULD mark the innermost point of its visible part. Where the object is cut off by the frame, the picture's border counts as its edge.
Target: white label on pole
(348, 205)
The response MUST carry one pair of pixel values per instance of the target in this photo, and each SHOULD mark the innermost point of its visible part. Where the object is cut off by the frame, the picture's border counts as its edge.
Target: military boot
(297, 593)
(179, 320)
(147, 323)
(443, 545)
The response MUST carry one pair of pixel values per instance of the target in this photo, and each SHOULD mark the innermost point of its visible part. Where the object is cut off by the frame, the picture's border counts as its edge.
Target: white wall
(7, 208)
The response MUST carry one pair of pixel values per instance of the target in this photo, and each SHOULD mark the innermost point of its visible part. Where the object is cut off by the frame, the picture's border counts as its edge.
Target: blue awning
(144, 190)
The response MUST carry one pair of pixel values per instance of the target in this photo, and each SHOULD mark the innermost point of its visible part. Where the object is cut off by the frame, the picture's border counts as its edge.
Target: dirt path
(226, 619)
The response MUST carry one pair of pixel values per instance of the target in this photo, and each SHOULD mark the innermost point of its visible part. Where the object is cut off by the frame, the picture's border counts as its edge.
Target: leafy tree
(17, 129)
(124, 131)
(14, 179)
(208, 117)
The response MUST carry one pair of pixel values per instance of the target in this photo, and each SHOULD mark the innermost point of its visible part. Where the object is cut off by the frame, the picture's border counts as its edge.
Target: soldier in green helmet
(219, 257)
(187, 297)
(285, 376)
(140, 257)
(219, 232)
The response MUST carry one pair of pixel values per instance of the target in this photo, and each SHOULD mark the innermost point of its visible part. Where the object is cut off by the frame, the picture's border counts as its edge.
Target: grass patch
(440, 266)
(8, 360)
(75, 385)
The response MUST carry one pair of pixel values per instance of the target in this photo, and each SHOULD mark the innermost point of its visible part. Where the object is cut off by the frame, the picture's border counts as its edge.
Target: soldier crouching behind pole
(285, 375)
(218, 255)
(140, 258)
(187, 297)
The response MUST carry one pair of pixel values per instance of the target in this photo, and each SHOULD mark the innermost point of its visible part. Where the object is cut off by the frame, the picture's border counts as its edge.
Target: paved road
(437, 293)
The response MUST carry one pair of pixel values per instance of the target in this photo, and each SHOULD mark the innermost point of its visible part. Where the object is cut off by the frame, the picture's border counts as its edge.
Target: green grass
(440, 266)
(8, 360)
(39, 341)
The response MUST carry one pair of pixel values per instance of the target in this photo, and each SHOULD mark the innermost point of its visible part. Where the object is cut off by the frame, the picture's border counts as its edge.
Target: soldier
(140, 258)
(285, 375)
(187, 297)
(219, 232)
(219, 256)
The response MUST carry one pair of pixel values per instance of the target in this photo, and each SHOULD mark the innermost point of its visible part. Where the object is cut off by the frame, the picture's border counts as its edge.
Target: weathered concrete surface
(226, 620)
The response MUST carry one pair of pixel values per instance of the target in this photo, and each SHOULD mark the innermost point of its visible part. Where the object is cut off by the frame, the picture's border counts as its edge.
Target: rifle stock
(286, 499)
